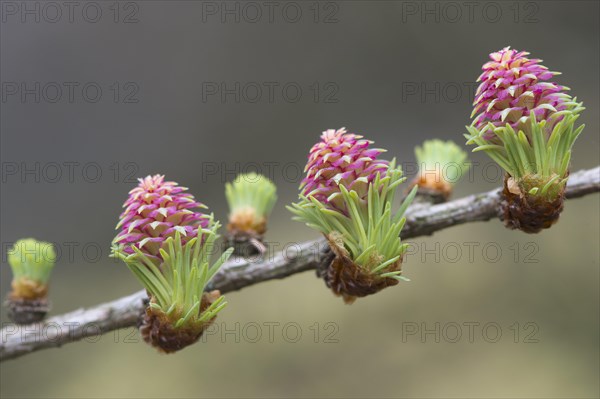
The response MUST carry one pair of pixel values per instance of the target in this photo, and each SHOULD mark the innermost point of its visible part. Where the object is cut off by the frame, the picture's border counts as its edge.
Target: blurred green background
(393, 69)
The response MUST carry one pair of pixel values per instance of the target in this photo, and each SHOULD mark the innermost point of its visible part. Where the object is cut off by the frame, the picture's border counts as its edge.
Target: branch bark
(238, 273)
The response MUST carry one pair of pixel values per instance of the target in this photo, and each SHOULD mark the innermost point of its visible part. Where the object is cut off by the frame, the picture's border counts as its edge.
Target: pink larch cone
(514, 86)
(341, 158)
(154, 211)
(519, 92)
(345, 159)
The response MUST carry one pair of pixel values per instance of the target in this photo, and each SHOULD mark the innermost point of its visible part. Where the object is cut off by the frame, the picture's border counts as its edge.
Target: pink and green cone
(347, 195)
(168, 246)
(526, 123)
(341, 159)
(512, 88)
(155, 210)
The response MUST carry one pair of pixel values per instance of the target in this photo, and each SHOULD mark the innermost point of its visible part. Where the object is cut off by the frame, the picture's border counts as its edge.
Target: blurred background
(96, 94)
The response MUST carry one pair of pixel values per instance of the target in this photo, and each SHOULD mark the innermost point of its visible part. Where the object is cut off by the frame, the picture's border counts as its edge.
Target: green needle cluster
(177, 285)
(370, 232)
(32, 260)
(251, 191)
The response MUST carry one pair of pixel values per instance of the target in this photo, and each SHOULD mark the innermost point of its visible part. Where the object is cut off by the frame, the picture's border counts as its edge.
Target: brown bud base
(246, 220)
(347, 279)
(430, 196)
(432, 189)
(25, 288)
(245, 244)
(26, 311)
(528, 213)
(158, 330)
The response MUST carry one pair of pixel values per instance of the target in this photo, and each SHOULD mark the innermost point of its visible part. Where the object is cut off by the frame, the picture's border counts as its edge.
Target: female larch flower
(168, 247)
(341, 159)
(512, 88)
(155, 210)
(525, 122)
(348, 195)
(31, 262)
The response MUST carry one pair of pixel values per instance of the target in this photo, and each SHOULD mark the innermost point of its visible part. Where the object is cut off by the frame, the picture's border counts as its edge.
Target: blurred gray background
(397, 72)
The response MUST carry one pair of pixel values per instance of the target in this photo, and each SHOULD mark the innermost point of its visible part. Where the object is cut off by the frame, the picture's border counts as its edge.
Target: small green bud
(32, 259)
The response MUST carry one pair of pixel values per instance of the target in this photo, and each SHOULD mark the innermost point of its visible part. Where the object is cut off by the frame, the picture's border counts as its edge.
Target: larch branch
(238, 273)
